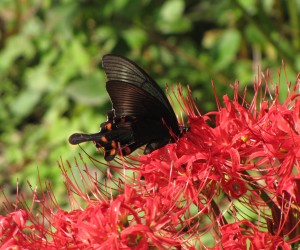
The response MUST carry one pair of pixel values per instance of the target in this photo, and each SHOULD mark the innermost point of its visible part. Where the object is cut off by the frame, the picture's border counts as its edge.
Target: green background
(52, 84)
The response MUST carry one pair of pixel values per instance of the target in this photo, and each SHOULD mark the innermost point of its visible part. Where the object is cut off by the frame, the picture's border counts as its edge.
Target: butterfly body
(141, 114)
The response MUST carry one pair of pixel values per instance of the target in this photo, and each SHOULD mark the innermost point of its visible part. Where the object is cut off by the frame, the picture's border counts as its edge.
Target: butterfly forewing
(120, 70)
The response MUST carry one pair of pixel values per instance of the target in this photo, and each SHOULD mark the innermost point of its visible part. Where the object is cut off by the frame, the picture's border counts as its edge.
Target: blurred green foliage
(52, 84)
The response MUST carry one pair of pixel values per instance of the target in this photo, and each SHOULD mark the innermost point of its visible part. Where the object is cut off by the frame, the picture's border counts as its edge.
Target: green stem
(294, 23)
(262, 194)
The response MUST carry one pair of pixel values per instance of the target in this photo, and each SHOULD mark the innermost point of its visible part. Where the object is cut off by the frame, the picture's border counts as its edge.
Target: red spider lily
(231, 185)
(245, 235)
(11, 230)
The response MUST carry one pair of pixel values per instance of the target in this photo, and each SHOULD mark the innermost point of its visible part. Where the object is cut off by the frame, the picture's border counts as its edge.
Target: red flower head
(232, 179)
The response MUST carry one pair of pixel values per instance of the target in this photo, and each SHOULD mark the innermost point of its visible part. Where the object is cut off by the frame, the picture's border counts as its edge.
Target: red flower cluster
(231, 182)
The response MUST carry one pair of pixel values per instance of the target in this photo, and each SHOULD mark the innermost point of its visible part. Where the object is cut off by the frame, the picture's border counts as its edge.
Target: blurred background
(52, 84)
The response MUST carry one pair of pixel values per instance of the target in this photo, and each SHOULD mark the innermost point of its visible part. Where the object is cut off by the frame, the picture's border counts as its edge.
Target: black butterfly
(141, 112)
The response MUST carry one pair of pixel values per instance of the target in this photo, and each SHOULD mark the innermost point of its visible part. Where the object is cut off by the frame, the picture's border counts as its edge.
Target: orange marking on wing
(108, 126)
(112, 152)
(113, 144)
(103, 139)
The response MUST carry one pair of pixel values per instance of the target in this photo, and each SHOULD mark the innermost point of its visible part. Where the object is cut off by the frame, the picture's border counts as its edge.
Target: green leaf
(24, 103)
(254, 36)
(171, 19)
(89, 90)
(227, 48)
(16, 46)
(172, 10)
(135, 37)
(37, 78)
